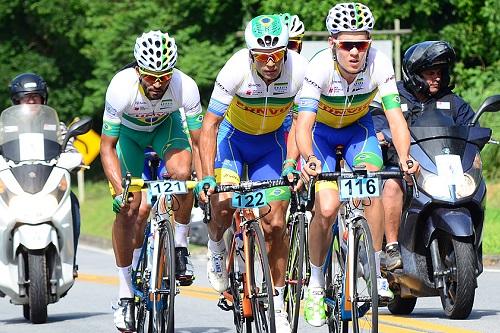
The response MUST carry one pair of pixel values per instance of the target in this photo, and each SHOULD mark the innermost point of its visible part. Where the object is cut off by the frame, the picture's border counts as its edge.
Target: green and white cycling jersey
(339, 104)
(128, 106)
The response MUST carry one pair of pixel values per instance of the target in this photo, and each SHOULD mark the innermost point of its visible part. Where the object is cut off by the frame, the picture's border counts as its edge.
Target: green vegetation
(491, 235)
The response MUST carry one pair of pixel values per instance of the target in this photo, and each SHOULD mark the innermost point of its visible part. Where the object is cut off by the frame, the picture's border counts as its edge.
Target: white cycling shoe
(216, 271)
(384, 293)
(281, 321)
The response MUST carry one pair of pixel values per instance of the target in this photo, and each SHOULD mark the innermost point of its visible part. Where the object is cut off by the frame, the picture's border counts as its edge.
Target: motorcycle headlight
(439, 187)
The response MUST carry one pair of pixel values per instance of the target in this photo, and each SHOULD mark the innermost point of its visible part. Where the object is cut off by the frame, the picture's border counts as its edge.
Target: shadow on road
(55, 318)
(438, 313)
(203, 330)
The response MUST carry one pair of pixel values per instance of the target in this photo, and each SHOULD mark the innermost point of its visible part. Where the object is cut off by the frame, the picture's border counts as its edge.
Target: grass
(97, 216)
(491, 234)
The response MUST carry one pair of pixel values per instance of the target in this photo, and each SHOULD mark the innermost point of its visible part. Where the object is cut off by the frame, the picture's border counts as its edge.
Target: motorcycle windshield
(29, 132)
(453, 140)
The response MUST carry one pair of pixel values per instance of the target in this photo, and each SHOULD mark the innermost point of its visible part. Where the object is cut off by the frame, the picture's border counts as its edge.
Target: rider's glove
(289, 167)
(117, 203)
(210, 180)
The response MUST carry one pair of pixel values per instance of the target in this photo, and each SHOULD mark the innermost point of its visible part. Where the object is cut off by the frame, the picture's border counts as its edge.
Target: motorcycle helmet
(155, 51)
(27, 83)
(423, 56)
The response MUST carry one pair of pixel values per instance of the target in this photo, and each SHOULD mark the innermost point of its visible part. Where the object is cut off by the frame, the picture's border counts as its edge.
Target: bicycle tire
(140, 302)
(365, 296)
(235, 287)
(334, 277)
(295, 270)
(163, 303)
(261, 286)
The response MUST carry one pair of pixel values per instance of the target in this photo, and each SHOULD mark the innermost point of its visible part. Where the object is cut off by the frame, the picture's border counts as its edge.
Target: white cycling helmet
(155, 51)
(294, 24)
(266, 32)
(349, 17)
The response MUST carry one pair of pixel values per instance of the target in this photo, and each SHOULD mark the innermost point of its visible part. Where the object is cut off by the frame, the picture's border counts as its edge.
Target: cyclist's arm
(208, 145)
(195, 139)
(110, 162)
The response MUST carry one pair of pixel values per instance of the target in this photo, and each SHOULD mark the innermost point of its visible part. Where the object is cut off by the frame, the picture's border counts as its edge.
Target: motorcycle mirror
(491, 104)
(79, 127)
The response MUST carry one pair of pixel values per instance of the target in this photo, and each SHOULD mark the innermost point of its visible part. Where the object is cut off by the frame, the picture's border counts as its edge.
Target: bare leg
(393, 205)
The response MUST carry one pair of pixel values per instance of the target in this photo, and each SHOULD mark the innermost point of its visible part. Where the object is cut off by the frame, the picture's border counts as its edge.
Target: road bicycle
(153, 279)
(351, 282)
(250, 294)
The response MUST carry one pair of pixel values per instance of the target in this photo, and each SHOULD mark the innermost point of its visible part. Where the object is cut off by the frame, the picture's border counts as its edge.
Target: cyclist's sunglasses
(151, 78)
(264, 57)
(348, 45)
(295, 45)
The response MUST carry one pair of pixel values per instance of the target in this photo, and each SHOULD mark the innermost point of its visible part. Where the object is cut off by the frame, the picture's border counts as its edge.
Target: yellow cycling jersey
(339, 104)
(244, 99)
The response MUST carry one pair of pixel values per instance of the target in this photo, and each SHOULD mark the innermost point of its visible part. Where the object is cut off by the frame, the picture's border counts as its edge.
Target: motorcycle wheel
(26, 311)
(457, 296)
(402, 306)
(37, 292)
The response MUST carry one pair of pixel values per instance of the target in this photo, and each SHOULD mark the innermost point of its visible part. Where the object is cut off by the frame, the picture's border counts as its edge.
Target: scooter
(36, 227)
(441, 230)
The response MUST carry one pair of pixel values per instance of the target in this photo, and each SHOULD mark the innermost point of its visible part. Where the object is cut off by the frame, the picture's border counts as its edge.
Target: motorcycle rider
(425, 88)
(30, 88)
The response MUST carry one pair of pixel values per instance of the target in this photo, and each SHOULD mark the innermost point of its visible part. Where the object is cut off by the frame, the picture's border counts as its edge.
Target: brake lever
(126, 187)
(409, 163)
(310, 186)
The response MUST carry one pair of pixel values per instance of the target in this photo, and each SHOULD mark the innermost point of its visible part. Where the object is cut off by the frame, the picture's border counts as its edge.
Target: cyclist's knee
(393, 190)
(180, 173)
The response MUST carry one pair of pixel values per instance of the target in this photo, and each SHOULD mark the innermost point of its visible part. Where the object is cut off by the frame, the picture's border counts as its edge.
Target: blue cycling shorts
(264, 154)
(359, 141)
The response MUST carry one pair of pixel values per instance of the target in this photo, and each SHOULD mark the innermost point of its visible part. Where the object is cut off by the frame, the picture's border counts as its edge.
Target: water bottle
(240, 255)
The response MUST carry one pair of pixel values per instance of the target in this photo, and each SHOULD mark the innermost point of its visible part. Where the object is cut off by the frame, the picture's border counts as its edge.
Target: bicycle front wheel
(261, 286)
(365, 295)
(295, 269)
(163, 288)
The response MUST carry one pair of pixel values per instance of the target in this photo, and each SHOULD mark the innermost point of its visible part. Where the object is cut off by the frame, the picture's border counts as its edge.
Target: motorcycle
(36, 226)
(441, 229)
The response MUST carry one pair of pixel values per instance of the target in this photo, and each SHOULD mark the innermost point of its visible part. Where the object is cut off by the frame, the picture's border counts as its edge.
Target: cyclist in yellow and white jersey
(253, 93)
(141, 110)
(339, 85)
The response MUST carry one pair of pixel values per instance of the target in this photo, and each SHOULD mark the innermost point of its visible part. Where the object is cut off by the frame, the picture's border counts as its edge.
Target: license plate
(167, 187)
(364, 187)
(249, 200)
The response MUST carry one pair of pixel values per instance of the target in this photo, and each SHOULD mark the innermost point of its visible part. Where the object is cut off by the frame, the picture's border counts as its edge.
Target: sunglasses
(151, 78)
(295, 45)
(348, 45)
(263, 57)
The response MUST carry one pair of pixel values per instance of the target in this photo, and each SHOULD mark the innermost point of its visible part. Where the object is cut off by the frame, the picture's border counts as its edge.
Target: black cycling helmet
(27, 83)
(423, 56)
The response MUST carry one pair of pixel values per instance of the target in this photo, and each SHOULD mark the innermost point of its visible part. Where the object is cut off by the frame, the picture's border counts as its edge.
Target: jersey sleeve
(383, 75)
(191, 103)
(227, 83)
(314, 81)
(115, 105)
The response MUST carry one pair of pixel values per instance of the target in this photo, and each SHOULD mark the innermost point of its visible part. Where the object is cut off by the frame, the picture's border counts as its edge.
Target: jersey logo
(166, 104)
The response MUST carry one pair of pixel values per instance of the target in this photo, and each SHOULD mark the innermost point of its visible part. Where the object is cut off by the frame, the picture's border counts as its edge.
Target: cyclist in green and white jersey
(141, 110)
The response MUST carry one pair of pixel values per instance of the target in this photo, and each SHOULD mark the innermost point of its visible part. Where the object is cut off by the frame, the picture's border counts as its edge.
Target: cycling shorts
(359, 141)
(263, 154)
(167, 136)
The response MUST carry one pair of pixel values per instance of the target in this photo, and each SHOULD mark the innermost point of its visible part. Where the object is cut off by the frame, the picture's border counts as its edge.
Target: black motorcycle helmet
(27, 83)
(423, 56)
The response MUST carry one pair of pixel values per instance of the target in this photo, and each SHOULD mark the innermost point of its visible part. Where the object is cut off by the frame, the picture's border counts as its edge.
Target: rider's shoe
(281, 320)
(384, 293)
(315, 307)
(184, 270)
(124, 315)
(393, 257)
(216, 271)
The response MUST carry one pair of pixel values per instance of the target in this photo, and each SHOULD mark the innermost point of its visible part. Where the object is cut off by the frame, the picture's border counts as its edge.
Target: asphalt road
(87, 308)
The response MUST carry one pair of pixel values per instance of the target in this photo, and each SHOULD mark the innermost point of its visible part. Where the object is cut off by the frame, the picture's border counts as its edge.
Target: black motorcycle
(442, 223)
